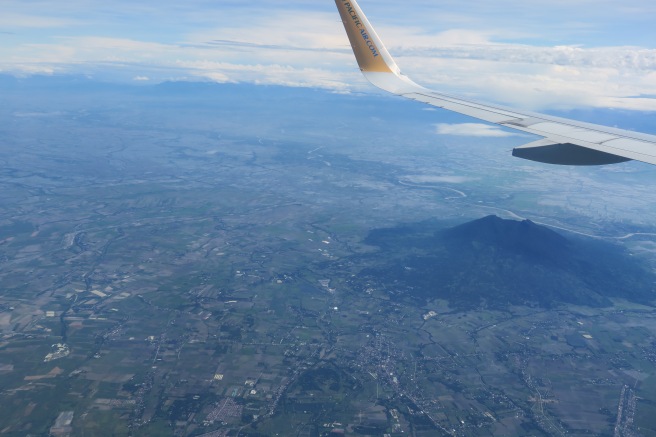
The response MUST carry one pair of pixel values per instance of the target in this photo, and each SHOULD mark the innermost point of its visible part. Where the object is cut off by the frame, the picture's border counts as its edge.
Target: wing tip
(369, 50)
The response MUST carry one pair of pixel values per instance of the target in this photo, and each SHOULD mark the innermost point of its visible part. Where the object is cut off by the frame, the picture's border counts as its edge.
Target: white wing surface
(565, 141)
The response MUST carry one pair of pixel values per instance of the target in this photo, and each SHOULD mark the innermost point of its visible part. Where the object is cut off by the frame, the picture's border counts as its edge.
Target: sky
(535, 54)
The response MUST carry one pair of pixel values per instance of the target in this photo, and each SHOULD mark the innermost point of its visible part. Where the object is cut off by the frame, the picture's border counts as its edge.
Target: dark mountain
(523, 238)
(495, 263)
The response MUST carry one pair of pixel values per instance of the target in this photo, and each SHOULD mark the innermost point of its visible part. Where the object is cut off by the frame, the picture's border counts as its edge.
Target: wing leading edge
(566, 142)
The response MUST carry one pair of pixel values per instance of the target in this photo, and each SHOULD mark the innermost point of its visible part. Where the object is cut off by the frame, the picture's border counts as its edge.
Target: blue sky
(541, 54)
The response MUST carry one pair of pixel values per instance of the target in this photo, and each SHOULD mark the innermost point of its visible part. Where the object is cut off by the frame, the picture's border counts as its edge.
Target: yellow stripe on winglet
(368, 54)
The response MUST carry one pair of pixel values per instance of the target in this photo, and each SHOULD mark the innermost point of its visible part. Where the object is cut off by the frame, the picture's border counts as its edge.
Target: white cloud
(313, 30)
(536, 85)
(26, 70)
(629, 58)
(472, 130)
(18, 20)
(266, 74)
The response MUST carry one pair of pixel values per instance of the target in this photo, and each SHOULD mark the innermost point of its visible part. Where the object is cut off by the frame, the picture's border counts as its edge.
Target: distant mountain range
(495, 263)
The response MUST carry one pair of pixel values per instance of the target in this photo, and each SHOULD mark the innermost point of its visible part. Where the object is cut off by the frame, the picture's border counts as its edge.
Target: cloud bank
(303, 44)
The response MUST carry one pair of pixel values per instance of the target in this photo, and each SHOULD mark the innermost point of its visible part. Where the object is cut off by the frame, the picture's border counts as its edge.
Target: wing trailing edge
(565, 142)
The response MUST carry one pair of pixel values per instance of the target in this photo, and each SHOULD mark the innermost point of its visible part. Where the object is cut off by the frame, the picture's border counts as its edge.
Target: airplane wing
(564, 141)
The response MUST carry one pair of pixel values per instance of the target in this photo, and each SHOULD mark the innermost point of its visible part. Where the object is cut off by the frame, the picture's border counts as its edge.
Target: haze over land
(203, 259)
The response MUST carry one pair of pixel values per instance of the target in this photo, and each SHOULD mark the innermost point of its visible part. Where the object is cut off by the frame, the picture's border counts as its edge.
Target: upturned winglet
(374, 60)
(371, 54)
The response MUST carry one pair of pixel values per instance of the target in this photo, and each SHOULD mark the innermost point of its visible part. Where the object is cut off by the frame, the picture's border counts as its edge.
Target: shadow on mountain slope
(494, 262)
